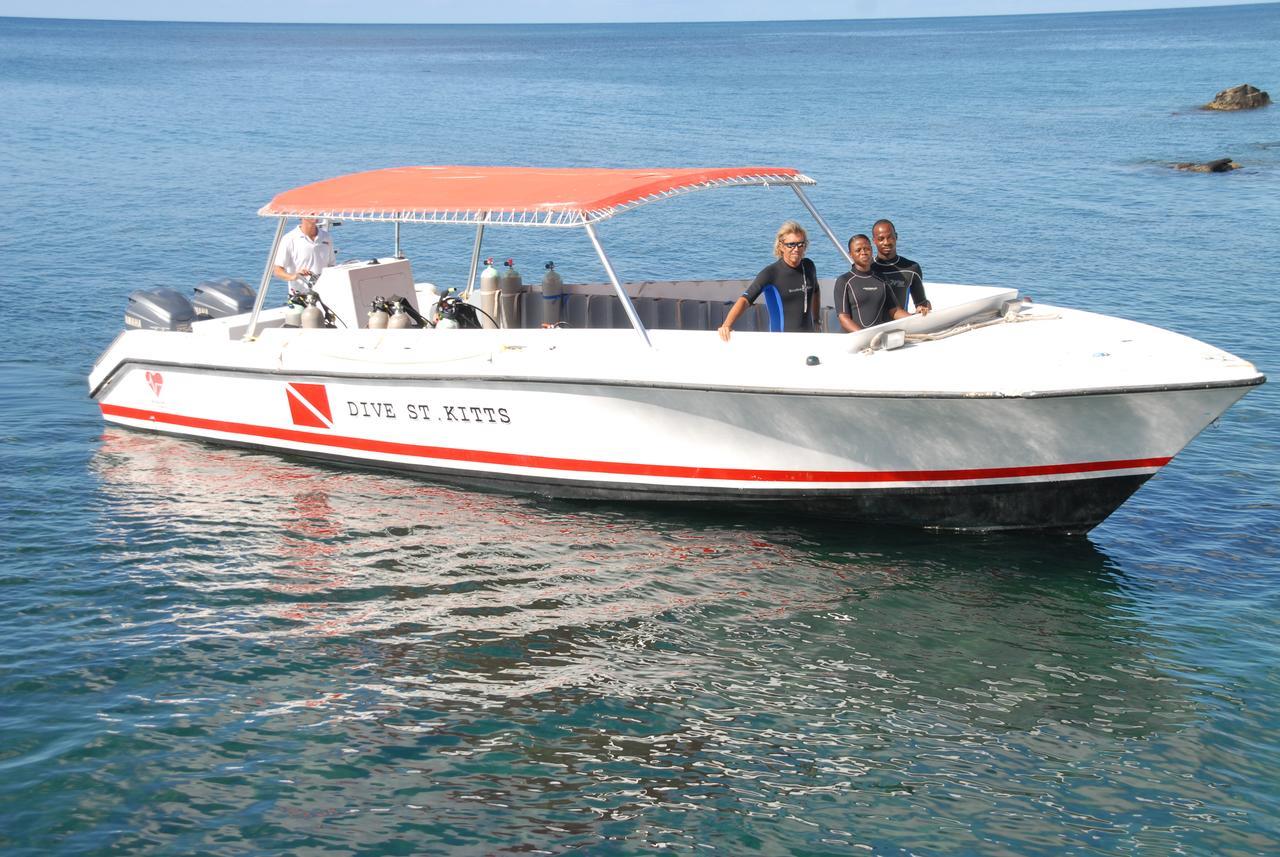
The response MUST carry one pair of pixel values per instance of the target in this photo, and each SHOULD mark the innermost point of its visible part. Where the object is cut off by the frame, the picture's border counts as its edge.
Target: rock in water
(1222, 165)
(1242, 97)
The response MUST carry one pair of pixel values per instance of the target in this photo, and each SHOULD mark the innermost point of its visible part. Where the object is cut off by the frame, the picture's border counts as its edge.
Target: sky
(554, 11)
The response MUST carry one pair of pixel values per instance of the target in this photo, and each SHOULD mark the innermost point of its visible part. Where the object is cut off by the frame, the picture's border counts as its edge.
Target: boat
(989, 413)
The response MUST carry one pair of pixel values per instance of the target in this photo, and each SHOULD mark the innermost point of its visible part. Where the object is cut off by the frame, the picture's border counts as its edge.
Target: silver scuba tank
(378, 316)
(313, 316)
(552, 293)
(489, 294)
(399, 319)
(511, 286)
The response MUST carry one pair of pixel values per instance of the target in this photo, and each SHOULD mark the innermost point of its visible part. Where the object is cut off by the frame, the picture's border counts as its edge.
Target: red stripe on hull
(509, 459)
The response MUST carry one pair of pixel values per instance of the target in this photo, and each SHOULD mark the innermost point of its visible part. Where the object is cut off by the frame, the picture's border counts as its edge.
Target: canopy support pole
(399, 255)
(617, 286)
(251, 331)
(822, 224)
(475, 257)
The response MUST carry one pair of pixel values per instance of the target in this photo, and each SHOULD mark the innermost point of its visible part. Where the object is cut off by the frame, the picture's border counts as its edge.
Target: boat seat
(693, 315)
(831, 320)
(716, 312)
(531, 310)
(574, 311)
(754, 318)
(620, 319)
(647, 309)
(600, 311)
(668, 317)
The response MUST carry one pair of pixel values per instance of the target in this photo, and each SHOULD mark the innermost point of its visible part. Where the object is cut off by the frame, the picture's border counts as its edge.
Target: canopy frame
(543, 215)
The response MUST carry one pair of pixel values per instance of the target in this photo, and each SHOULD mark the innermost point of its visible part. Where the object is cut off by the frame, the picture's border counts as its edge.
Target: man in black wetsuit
(862, 298)
(789, 286)
(902, 275)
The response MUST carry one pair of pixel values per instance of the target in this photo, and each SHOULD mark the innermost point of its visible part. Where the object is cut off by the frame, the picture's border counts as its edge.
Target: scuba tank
(378, 315)
(511, 286)
(400, 318)
(446, 317)
(293, 308)
(489, 293)
(312, 316)
(552, 295)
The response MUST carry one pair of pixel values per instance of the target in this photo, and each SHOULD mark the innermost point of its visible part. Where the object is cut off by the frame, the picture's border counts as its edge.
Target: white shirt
(298, 252)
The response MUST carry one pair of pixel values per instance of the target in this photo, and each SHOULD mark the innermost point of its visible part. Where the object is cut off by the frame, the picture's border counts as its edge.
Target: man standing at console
(306, 250)
(903, 276)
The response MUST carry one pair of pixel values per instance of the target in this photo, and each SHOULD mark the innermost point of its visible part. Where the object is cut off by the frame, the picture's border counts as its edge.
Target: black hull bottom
(1068, 506)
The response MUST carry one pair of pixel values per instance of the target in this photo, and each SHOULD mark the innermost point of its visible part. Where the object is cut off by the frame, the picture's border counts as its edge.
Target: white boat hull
(1058, 460)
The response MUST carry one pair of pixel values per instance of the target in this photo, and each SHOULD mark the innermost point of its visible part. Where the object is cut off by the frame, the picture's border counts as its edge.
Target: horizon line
(917, 17)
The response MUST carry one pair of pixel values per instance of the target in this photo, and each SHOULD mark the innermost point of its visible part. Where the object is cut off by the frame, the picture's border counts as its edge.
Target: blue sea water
(219, 652)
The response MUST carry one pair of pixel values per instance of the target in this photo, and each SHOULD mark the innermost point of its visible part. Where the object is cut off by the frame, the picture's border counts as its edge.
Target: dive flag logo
(309, 405)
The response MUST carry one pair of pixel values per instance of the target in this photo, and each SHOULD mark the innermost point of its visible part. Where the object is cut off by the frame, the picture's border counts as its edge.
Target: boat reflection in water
(473, 667)
(521, 598)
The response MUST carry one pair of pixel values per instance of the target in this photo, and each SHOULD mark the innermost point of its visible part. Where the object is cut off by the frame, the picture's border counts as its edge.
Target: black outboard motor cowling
(221, 298)
(159, 309)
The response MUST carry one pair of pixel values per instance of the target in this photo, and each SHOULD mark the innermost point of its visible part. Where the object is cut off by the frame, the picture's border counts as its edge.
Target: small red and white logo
(309, 405)
(155, 381)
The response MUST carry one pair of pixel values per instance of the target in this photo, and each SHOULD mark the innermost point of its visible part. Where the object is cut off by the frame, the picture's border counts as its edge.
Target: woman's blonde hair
(786, 229)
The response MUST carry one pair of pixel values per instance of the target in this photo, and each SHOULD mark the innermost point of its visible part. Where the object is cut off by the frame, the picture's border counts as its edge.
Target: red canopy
(526, 196)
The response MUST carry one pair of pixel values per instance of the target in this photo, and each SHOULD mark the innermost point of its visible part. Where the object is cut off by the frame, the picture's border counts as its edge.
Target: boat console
(349, 288)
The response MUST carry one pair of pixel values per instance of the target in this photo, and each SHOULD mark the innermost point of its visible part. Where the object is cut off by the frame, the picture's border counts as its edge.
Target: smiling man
(903, 276)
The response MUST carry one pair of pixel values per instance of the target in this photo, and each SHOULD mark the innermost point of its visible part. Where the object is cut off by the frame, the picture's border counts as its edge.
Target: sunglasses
(795, 245)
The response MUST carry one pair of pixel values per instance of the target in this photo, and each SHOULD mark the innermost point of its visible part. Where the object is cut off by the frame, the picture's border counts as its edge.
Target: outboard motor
(159, 309)
(222, 298)
(552, 294)
(511, 286)
(489, 294)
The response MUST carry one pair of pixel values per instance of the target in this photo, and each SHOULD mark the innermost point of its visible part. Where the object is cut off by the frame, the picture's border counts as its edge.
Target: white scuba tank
(313, 316)
(552, 292)
(489, 295)
(510, 286)
(378, 316)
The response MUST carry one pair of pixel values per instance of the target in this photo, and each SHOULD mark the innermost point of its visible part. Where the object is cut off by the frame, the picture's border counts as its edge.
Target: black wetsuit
(903, 276)
(865, 298)
(789, 293)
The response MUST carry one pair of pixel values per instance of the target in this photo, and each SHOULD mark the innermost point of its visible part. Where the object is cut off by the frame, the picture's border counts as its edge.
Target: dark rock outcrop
(1222, 165)
(1242, 97)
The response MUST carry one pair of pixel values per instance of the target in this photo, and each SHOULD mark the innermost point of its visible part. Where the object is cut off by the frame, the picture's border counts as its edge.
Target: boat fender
(489, 294)
(378, 315)
(552, 296)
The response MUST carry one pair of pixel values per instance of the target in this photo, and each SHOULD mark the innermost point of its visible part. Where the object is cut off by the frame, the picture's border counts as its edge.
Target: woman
(863, 298)
(789, 286)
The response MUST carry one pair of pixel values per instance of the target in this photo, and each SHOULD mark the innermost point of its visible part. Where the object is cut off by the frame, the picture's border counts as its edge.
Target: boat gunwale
(1254, 381)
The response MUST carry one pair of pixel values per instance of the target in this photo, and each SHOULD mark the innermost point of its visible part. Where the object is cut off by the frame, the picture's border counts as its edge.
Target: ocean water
(219, 652)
